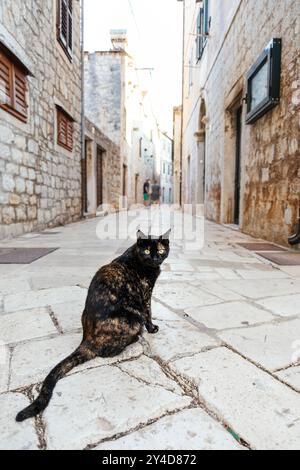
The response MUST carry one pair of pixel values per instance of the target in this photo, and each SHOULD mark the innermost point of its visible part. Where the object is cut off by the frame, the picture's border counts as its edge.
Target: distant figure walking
(146, 191)
(155, 193)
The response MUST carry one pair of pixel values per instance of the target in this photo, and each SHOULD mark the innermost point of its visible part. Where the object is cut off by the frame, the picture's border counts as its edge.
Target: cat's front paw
(152, 329)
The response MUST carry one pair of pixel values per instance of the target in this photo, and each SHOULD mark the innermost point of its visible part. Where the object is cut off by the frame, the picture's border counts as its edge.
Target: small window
(64, 130)
(65, 25)
(13, 87)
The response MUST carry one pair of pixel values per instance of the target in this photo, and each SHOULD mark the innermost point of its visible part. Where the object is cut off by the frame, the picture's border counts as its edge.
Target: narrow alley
(219, 373)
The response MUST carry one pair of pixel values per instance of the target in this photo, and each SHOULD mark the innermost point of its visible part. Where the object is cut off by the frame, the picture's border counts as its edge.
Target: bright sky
(155, 36)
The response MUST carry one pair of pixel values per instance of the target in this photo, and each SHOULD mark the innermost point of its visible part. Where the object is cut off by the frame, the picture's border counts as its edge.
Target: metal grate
(282, 259)
(23, 255)
(261, 246)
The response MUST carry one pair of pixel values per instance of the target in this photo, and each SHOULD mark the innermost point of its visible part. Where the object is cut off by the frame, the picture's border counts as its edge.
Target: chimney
(119, 39)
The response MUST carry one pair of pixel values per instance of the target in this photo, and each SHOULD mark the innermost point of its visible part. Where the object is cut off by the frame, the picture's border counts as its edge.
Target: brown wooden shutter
(70, 134)
(64, 130)
(20, 92)
(6, 81)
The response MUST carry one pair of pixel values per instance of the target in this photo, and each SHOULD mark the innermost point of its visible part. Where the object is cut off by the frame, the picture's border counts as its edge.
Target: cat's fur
(117, 307)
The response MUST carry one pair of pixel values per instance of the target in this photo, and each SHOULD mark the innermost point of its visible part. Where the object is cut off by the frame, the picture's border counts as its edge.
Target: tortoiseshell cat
(117, 307)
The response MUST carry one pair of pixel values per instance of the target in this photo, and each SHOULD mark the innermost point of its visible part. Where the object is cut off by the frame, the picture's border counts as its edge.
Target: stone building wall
(177, 112)
(40, 184)
(166, 169)
(270, 175)
(117, 104)
(111, 169)
(103, 91)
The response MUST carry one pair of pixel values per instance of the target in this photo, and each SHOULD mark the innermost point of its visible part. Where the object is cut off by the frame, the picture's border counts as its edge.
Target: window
(64, 129)
(202, 28)
(65, 25)
(140, 147)
(13, 87)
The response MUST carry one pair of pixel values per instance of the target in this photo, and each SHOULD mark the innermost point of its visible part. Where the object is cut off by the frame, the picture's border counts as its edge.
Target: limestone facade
(40, 183)
(167, 169)
(215, 91)
(102, 175)
(117, 103)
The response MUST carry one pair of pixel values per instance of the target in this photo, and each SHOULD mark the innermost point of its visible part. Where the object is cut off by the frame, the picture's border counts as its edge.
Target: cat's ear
(166, 236)
(140, 235)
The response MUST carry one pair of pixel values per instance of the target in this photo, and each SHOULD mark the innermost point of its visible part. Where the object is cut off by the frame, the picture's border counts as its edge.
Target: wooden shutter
(70, 134)
(200, 39)
(65, 24)
(64, 130)
(20, 92)
(206, 18)
(70, 26)
(6, 81)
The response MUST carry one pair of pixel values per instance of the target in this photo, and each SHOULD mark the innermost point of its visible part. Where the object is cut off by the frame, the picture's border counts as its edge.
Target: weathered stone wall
(270, 189)
(103, 91)
(40, 184)
(112, 171)
(177, 112)
(166, 169)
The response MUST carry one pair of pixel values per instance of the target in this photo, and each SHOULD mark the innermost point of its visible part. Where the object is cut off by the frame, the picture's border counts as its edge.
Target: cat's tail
(82, 354)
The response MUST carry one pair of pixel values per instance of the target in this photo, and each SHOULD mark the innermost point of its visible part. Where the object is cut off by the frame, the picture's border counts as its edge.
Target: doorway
(99, 176)
(237, 183)
(84, 181)
(136, 188)
(124, 183)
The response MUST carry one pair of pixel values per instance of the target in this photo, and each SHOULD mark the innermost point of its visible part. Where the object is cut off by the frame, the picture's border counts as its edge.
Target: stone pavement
(220, 374)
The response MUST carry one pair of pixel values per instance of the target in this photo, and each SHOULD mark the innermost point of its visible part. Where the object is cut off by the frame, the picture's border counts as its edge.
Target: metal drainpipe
(182, 100)
(82, 92)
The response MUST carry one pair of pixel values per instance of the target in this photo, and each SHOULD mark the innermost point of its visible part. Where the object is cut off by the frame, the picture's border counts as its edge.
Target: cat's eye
(161, 252)
(147, 251)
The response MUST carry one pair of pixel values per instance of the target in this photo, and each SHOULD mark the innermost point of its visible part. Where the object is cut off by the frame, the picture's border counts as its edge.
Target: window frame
(17, 105)
(64, 40)
(202, 27)
(62, 115)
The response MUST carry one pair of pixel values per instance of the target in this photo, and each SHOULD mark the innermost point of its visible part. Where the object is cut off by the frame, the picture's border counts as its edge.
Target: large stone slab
(229, 315)
(260, 409)
(177, 339)
(69, 314)
(31, 362)
(42, 298)
(181, 295)
(149, 371)
(291, 376)
(187, 430)
(101, 403)
(25, 325)
(220, 291)
(11, 286)
(261, 274)
(160, 312)
(4, 367)
(256, 289)
(15, 436)
(271, 345)
(285, 306)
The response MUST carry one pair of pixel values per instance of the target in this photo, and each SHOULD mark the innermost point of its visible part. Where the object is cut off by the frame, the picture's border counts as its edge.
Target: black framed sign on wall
(263, 82)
